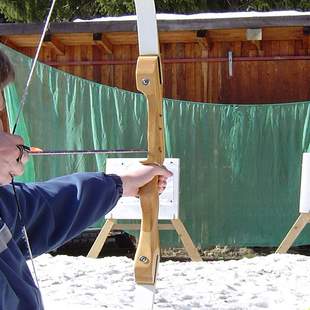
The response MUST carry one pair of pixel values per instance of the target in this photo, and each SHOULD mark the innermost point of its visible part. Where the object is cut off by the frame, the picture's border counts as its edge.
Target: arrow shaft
(86, 152)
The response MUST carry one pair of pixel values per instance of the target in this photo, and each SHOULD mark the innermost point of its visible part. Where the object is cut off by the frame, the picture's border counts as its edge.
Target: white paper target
(128, 208)
(304, 204)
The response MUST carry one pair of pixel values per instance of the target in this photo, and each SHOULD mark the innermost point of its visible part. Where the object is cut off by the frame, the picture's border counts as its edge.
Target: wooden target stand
(304, 207)
(128, 208)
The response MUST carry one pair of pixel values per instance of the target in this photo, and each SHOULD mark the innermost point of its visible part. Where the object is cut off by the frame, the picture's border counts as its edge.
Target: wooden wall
(190, 76)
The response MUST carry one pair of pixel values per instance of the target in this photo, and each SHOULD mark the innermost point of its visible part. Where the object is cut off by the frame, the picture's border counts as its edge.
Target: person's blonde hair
(7, 73)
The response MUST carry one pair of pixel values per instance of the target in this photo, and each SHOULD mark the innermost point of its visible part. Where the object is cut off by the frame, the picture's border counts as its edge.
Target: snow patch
(277, 281)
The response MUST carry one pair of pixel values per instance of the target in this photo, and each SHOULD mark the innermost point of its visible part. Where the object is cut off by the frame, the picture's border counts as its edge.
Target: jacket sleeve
(55, 211)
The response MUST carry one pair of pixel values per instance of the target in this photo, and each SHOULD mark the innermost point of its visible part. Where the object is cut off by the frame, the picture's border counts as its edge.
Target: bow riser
(149, 82)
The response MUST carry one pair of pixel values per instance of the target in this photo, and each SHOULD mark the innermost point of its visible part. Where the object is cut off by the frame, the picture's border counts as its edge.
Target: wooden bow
(149, 82)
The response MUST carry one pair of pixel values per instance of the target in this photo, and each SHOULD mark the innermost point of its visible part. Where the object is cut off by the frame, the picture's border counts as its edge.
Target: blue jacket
(53, 212)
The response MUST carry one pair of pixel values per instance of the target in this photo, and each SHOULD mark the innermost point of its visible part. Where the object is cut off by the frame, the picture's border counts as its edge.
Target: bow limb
(149, 82)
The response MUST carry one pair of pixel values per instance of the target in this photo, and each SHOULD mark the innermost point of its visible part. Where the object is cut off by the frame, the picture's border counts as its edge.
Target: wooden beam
(178, 60)
(54, 43)
(227, 35)
(101, 41)
(6, 41)
(163, 25)
(202, 37)
(282, 33)
(138, 226)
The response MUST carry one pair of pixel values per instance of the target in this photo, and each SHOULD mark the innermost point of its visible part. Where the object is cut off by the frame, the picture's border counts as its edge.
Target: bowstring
(22, 104)
(34, 62)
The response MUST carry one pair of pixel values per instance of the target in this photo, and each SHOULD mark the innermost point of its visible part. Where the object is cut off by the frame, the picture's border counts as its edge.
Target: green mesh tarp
(240, 164)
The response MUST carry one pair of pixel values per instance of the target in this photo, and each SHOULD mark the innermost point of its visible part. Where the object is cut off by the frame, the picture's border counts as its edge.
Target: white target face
(128, 208)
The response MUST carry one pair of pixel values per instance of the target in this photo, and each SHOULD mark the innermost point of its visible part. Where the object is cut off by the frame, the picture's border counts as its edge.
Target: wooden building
(242, 58)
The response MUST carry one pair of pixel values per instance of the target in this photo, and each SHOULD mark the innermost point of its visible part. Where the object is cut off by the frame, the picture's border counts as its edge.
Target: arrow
(35, 151)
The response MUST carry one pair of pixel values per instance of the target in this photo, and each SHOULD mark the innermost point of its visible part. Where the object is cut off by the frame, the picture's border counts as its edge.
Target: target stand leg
(101, 238)
(294, 232)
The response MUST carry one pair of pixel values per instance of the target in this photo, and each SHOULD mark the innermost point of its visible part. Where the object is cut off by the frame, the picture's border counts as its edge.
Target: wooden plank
(204, 76)
(198, 53)
(190, 75)
(97, 55)
(47, 54)
(180, 74)
(101, 238)
(227, 35)
(75, 38)
(7, 41)
(175, 82)
(294, 232)
(125, 38)
(215, 77)
(101, 40)
(132, 68)
(285, 86)
(138, 226)
(178, 37)
(220, 76)
(54, 43)
(250, 92)
(186, 240)
(107, 71)
(68, 39)
(118, 69)
(277, 91)
(306, 43)
(303, 77)
(167, 51)
(255, 88)
(300, 48)
(28, 51)
(236, 80)
(268, 69)
(119, 38)
(25, 41)
(76, 54)
(228, 81)
(283, 33)
(63, 58)
(88, 54)
(126, 82)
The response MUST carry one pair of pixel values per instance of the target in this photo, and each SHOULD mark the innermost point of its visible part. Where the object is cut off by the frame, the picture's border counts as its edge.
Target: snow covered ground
(271, 282)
